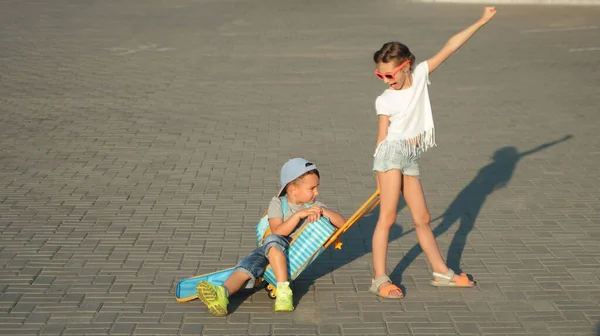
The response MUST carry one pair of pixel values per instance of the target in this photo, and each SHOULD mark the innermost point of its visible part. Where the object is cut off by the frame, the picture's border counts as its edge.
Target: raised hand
(488, 14)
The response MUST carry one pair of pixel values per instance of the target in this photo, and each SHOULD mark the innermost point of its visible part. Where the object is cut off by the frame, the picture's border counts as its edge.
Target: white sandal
(385, 291)
(445, 280)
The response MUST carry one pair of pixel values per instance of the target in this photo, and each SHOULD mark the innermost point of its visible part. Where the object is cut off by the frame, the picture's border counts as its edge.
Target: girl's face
(393, 74)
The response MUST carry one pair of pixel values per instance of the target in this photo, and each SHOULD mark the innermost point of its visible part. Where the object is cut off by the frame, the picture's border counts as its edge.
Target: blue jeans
(255, 263)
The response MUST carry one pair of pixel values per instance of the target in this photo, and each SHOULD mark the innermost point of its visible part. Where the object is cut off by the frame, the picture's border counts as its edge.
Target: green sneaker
(284, 302)
(213, 297)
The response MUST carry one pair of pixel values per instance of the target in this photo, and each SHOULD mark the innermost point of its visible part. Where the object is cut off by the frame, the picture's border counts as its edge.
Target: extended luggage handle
(360, 213)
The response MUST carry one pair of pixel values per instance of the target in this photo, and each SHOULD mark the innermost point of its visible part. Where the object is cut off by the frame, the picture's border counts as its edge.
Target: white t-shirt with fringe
(411, 130)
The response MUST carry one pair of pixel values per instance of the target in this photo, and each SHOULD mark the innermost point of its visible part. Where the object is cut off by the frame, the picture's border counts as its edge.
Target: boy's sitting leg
(216, 298)
(276, 247)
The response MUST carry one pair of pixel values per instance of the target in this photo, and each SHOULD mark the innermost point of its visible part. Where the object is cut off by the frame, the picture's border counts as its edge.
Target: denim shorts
(397, 161)
(255, 263)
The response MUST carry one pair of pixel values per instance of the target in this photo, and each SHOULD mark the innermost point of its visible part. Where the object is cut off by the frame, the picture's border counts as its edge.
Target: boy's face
(306, 189)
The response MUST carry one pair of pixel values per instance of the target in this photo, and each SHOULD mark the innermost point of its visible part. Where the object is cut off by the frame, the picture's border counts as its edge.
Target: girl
(405, 131)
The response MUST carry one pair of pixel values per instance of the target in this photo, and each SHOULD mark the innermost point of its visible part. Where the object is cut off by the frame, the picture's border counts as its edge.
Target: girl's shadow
(468, 203)
(464, 209)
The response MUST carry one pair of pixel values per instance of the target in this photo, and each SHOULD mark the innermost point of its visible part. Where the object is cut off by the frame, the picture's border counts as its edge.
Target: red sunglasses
(390, 75)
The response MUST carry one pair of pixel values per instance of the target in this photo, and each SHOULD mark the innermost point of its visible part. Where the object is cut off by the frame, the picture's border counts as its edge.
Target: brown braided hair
(394, 52)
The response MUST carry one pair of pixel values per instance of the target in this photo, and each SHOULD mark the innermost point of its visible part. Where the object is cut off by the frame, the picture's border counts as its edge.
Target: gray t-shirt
(275, 211)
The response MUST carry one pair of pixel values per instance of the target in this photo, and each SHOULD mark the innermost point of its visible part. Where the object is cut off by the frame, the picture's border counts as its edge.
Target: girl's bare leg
(415, 200)
(389, 184)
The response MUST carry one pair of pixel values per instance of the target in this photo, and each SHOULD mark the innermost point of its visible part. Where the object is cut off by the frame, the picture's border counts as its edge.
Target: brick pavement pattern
(141, 140)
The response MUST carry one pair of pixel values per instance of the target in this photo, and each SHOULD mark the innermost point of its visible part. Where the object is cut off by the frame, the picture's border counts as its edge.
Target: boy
(300, 182)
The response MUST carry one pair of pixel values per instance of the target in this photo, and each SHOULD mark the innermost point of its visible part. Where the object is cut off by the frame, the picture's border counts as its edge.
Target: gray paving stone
(191, 329)
(123, 328)
(329, 329)
(260, 329)
(467, 328)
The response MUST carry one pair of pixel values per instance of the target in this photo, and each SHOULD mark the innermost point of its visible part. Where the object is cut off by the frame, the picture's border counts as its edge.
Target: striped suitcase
(313, 239)
(307, 246)
(303, 250)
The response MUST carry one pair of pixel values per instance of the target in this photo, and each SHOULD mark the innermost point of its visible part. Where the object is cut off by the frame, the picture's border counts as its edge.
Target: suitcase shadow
(356, 244)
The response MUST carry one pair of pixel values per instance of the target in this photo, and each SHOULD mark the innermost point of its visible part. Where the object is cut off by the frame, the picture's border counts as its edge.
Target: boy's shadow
(465, 208)
(237, 299)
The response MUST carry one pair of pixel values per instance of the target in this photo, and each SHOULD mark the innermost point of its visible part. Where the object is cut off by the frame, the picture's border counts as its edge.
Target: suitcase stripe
(306, 247)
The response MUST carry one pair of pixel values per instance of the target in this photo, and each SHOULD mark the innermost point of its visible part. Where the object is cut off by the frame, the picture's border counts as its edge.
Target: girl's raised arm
(458, 40)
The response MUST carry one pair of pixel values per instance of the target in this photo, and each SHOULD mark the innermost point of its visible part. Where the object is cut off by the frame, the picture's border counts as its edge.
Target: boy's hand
(488, 14)
(311, 214)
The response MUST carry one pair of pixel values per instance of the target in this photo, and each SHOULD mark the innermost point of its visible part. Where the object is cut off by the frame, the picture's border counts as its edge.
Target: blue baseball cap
(293, 169)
